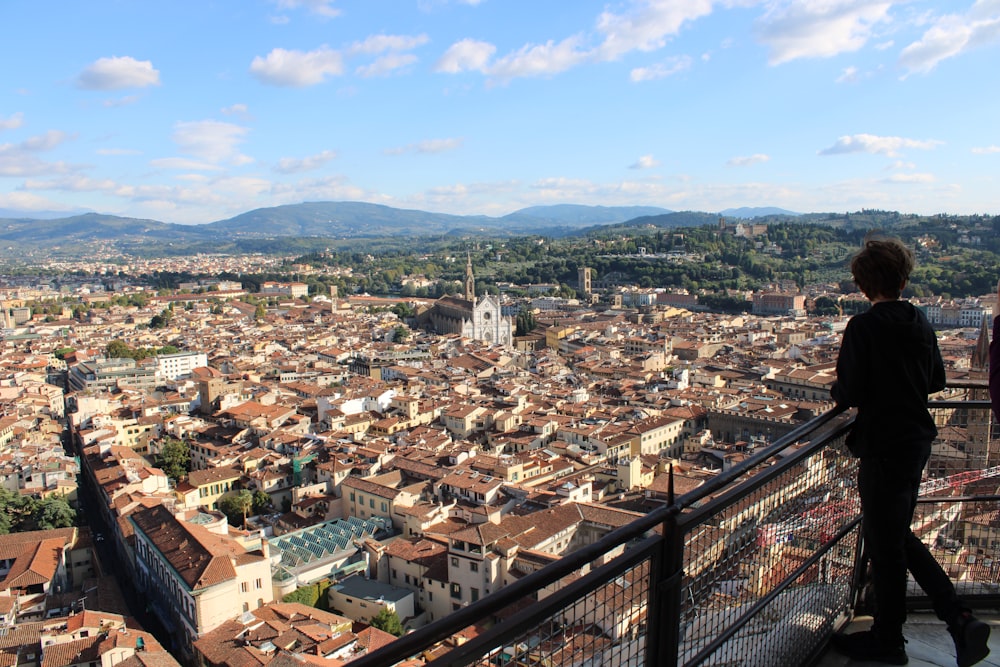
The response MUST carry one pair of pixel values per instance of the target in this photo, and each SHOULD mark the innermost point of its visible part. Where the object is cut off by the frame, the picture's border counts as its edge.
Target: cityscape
(216, 458)
(481, 332)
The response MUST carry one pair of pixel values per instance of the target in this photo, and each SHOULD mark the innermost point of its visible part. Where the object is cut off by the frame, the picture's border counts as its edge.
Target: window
(456, 591)
(473, 566)
(352, 496)
(454, 561)
(475, 594)
(244, 587)
(371, 502)
(384, 508)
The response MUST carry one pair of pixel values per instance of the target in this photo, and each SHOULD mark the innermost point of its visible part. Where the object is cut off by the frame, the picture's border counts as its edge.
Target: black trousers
(888, 489)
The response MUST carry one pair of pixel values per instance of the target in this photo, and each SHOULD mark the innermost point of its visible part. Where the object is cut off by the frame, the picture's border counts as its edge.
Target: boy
(889, 362)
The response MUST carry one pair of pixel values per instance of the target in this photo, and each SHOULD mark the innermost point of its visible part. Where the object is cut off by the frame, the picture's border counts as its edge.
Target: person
(995, 358)
(889, 362)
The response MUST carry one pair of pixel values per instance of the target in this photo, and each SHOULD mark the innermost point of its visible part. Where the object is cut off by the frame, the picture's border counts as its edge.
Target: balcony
(759, 566)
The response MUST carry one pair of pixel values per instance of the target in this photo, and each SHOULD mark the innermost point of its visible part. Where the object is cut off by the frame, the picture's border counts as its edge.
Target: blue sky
(197, 110)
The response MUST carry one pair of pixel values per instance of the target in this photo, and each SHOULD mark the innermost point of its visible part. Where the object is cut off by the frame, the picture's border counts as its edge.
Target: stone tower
(470, 280)
(583, 280)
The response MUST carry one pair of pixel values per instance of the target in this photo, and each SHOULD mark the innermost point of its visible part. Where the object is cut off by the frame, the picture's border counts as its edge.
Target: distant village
(413, 464)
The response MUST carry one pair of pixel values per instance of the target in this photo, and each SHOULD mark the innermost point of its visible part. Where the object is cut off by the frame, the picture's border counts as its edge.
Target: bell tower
(470, 280)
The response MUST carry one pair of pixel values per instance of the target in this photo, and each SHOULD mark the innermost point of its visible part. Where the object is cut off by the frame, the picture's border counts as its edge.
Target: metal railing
(757, 566)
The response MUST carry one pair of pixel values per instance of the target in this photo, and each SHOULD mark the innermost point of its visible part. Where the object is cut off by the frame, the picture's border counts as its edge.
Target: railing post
(665, 583)
(663, 630)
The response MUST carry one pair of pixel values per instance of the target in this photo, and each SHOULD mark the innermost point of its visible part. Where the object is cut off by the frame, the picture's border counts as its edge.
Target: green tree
(162, 320)
(400, 334)
(118, 349)
(16, 511)
(525, 323)
(174, 458)
(261, 501)
(237, 507)
(260, 312)
(387, 620)
(54, 513)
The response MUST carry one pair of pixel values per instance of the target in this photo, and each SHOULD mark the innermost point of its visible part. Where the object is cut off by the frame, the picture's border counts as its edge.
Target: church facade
(479, 320)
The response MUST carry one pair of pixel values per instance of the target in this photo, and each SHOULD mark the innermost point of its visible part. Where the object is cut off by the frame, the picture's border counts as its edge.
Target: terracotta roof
(12, 545)
(35, 566)
(201, 558)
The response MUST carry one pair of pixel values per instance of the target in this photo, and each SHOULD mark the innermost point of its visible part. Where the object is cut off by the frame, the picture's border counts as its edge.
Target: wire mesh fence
(768, 563)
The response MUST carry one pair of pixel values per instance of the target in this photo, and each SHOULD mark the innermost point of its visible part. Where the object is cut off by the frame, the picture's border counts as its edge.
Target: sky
(192, 111)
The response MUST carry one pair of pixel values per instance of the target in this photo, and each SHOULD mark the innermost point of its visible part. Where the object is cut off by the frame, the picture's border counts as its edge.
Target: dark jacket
(995, 366)
(889, 362)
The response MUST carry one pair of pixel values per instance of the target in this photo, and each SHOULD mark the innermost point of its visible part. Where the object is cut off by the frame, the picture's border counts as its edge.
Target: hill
(292, 226)
(756, 212)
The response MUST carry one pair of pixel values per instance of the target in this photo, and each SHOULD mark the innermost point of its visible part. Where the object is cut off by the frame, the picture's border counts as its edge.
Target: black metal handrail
(663, 548)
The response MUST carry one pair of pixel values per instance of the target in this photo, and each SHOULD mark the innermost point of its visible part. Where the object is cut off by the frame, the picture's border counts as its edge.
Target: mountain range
(327, 221)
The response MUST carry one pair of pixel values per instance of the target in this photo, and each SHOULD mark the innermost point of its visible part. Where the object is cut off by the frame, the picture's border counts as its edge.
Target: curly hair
(882, 267)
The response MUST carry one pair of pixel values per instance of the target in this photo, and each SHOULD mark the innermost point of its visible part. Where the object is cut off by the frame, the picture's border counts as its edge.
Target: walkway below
(927, 643)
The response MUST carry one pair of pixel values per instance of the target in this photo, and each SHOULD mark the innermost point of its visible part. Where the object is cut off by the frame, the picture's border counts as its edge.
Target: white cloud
(645, 162)
(849, 75)
(289, 165)
(235, 110)
(870, 143)
(952, 34)
(910, 178)
(465, 56)
(210, 140)
(322, 8)
(986, 150)
(121, 101)
(647, 26)
(428, 146)
(118, 151)
(661, 70)
(183, 164)
(74, 184)
(12, 122)
(20, 159)
(539, 60)
(117, 73)
(383, 43)
(282, 67)
(42, 142)
(795, 29)
(747, 160)
(386, 65)
(27, 201)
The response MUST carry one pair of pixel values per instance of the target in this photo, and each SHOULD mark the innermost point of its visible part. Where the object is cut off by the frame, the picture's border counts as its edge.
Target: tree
(162, 320)
(16, 511)
(237, 507)
(525, 323)
(400, 334)
(260, 312)
(387, 620)
(54, 513)
(261, 501)
(174, 458)
(117, 349)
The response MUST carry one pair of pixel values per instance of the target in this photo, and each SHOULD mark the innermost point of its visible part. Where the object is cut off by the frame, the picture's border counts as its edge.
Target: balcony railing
(755, 567)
